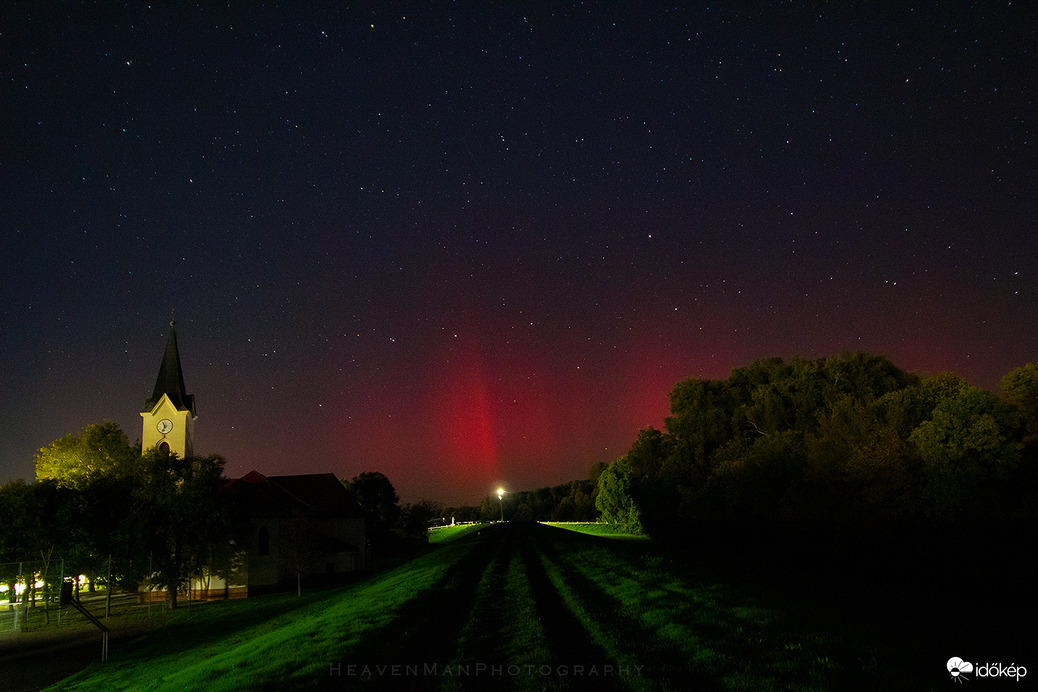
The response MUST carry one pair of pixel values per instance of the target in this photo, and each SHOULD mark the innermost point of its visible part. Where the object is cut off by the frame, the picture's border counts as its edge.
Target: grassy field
(274, 642)
(596, 529)
(511, 606)
(444, 534)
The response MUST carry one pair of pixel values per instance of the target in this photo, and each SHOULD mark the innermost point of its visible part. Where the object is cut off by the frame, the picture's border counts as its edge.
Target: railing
(68, 599)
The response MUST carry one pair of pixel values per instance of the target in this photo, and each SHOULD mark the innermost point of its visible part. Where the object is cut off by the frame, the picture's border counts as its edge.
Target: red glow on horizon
(466, 431)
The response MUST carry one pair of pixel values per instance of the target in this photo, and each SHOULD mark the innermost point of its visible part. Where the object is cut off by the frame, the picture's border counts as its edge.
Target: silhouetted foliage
(841, 447)
(415, 518)
(111, 512)
(573, 501)
(1020, 391)
(378, 500)
(181, 514)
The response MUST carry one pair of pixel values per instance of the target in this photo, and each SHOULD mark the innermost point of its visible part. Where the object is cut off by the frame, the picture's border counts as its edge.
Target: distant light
(500, 492)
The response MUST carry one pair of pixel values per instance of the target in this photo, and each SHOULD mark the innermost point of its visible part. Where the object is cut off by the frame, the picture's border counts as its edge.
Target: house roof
(320, 493)
(171, 378)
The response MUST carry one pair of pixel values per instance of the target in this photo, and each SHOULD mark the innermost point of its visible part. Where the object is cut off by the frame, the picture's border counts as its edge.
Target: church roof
(313, 492)
(171, 378)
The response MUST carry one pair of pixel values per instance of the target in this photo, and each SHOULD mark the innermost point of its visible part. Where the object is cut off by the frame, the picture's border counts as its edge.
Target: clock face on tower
(164, 426)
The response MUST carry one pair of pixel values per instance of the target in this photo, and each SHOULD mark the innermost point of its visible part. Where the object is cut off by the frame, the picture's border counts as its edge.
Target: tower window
(164, 447)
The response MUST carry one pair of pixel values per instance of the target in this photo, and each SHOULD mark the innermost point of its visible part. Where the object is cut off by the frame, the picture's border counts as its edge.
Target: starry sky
(479, 244)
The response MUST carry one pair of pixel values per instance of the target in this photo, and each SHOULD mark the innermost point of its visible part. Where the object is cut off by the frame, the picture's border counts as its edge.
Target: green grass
(596, 529)
(504, 624)
(713, 634)
(518, 595)
(274, 642)
(444, 534)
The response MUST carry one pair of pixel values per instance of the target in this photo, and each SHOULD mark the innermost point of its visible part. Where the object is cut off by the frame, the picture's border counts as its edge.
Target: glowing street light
(500, 500)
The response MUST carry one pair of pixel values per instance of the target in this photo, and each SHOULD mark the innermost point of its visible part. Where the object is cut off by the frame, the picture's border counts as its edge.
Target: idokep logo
(958, 668)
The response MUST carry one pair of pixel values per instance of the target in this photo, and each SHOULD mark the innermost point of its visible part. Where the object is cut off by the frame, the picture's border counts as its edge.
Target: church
(169, 415)
(287, 526)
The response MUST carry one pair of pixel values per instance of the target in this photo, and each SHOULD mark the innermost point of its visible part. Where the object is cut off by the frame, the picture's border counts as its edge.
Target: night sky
(480, 244)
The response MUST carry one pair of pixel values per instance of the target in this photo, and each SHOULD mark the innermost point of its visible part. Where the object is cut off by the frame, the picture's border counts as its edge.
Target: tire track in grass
(480, 637)
(648, 662)
(727, 638)
(503, 638)
(521, 636)
(576, 662)
(421, 638)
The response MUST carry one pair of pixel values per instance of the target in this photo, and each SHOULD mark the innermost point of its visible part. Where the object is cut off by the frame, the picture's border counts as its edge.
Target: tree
(631, 493)
(74, 460)
(17, 522)
(301, 546)
(181, 514)
(1020, 391)
(972, 439)
(489, 509)
(751, 479)
(36, 522)
(377, 499)
(614, 498)
(859, 469)
(100, 464)
(701, 418)
(109, 537)
(864, 376)
(565, 510)
(459, 514)
(415, 518)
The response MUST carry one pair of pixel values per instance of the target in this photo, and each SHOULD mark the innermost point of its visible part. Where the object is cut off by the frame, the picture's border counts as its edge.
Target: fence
(29, 593)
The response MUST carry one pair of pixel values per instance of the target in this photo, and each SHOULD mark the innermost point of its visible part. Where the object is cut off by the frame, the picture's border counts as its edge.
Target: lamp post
(500, 500)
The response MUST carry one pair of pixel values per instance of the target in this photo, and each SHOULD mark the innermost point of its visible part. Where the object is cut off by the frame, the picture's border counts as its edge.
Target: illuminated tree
(614, 498)
(74, 460)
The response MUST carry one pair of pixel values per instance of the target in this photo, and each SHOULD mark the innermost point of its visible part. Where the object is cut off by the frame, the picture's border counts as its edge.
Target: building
(289, 526)
(302, 526)
(169, 415)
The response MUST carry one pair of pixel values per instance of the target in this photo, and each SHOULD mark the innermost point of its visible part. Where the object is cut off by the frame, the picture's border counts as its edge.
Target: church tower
(169, 415)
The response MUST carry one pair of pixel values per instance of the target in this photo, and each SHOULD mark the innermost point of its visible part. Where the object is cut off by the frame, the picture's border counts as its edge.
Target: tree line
(846, 447)
(123, 517)
(573, 501)
(840, 447)
(116, 514)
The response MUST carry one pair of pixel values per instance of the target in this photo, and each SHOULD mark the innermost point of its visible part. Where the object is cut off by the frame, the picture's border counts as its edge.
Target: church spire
(171, 377)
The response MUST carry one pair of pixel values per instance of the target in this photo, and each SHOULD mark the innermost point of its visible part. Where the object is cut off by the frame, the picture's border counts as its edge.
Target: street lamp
(500, 500)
